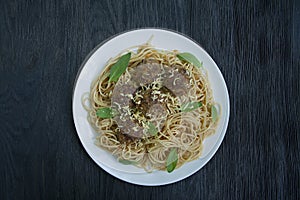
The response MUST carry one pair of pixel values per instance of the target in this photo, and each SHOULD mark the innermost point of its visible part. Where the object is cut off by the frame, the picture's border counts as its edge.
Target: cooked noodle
(184, 131)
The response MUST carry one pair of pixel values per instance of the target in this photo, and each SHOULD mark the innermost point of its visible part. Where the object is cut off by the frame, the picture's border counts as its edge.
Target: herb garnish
(119, 68)
(172, 160)
(214, 113)
(188, 57)
(190, 106)
(152, 129)
(127, 162)
(106, 112)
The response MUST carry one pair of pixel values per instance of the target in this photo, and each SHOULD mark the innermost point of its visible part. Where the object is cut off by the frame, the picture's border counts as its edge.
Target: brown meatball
(172, 80)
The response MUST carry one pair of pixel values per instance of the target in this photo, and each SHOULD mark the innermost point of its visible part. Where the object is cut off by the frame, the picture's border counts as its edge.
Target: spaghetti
(162, 104)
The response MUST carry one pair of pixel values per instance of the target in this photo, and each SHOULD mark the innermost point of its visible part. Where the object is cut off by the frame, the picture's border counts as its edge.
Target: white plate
(94, 64)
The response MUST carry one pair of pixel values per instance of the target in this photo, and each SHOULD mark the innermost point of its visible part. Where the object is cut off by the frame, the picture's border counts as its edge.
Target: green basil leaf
(152, 129)
(190, 106)
(172, 160)
(126, 162)
(188, 57)
(106, 112)
(119, 68)
(214, 113)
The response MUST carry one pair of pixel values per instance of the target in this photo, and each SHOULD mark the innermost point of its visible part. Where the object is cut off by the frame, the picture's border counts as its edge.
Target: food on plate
(152, 108)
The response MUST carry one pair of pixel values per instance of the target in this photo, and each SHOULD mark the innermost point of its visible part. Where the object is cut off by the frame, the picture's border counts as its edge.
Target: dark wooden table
(256, 45)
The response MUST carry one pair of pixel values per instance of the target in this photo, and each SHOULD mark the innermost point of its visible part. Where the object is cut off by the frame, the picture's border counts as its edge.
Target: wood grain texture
(256, 45)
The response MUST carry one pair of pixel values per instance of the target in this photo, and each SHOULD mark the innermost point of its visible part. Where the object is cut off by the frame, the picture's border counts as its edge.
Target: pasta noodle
(153, 92)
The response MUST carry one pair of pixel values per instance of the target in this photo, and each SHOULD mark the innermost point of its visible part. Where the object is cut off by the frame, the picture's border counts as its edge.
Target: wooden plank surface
(255, 44)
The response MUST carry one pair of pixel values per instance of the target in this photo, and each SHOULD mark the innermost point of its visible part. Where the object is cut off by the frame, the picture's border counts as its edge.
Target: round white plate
(92, 67)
